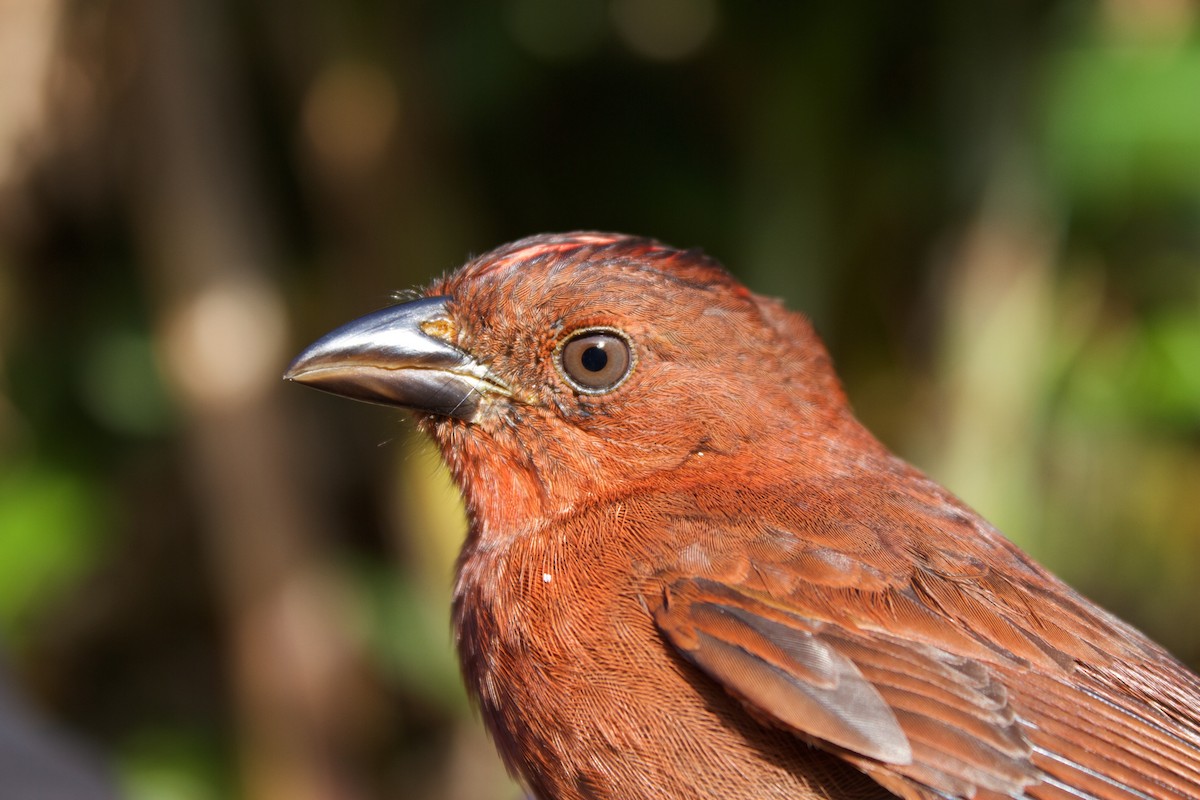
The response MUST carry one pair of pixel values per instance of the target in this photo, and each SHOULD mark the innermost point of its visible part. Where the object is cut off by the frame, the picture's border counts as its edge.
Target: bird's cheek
(630, 452)
(676, 424)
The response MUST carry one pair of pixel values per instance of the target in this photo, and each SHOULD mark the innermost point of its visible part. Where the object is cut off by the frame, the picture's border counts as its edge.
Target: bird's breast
(586, 701)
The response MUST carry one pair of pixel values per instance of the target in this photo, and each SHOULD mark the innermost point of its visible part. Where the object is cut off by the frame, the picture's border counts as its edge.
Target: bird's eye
(595, 360)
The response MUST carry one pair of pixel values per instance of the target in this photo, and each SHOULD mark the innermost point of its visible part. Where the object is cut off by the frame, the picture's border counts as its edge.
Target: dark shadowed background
(224, 586)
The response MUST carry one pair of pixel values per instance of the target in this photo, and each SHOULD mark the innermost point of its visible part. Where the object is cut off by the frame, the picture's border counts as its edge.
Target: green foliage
(406, 630)
(1123, 117)
(51, 526)
(121, 387)
(172, 764)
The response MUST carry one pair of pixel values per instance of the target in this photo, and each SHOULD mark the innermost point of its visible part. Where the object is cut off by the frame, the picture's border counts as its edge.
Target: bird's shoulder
(899, 554)
(892, 623)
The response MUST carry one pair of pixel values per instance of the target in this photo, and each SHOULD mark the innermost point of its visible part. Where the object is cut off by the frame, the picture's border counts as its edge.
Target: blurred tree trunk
(996, 284)
(221, 327)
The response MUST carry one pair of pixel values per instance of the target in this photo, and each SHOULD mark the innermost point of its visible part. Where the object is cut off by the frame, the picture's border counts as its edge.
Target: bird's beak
(394, 357)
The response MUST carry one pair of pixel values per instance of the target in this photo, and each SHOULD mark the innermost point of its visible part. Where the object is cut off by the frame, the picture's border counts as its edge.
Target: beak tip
(293, 372)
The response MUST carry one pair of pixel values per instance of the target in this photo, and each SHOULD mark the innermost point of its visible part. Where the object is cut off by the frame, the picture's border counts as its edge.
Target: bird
(691, 572)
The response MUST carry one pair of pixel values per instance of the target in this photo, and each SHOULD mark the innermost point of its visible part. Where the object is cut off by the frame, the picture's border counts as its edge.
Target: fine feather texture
(713, 582)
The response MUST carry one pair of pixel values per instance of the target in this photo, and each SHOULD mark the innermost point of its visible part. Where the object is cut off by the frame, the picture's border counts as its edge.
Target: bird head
(565, 368)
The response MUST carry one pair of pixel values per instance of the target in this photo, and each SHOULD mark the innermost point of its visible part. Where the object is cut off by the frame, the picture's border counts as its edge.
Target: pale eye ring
(595, 360)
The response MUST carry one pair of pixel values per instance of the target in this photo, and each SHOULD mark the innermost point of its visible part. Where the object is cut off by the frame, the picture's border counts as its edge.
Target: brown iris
(595, 361)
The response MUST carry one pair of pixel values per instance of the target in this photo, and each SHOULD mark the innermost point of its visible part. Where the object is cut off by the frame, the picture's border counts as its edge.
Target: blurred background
(214, 585)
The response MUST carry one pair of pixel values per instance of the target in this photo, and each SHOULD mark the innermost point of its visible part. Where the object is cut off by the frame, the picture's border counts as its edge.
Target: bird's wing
(940, 720)
(948, 678)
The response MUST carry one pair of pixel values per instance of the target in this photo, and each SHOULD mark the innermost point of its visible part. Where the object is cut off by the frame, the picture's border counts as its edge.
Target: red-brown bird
(691, 573)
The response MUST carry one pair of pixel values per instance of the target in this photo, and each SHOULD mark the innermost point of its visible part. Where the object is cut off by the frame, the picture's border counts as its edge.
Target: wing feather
(940, 673)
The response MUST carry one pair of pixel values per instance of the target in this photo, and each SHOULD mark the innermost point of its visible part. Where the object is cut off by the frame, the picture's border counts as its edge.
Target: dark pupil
(594, 359)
